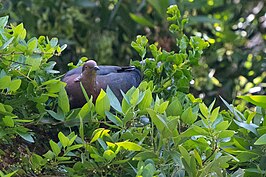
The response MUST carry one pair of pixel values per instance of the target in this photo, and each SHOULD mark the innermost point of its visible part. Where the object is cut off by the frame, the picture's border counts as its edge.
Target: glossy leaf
(163, 107)
(130, 146)
(174, 109)
(188, 116)
(8, 121)
(7, 43)
(204, 110)
(214, 114)
(32, 44)
(261, 140)
(55, 148)
(160, 123)
(99, 133)
(14, 85)
(5, 82)
(114, 102)
(102, 104)
(63, 139)
(3, 21)
(258, 100)
(146, 101)
(114, 119)
(26, 136)
(63, 101)
(109, 155)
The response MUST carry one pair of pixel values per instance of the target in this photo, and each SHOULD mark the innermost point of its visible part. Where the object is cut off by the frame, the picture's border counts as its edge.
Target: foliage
(233, 65)
(157, 130)
(170, 71)
(24, 68)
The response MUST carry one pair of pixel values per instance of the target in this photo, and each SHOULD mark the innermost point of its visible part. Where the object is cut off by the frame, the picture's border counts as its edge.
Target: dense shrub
(159, 129)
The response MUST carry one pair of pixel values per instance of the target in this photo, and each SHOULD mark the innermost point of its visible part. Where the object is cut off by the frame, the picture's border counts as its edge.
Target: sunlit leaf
(63, 139)
(130, 146)
(258, 100)
(102, 103)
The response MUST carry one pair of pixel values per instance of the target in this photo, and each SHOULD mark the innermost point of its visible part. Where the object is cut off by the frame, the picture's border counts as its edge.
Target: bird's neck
(90, 84)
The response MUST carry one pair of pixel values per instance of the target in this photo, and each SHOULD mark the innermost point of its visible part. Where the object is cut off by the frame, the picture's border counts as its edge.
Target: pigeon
(94, 78)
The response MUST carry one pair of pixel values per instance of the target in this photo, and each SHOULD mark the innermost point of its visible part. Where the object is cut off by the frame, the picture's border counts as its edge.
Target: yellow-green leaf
(102, 104)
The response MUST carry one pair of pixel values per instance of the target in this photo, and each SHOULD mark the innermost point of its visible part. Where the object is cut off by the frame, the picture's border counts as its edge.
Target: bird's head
(90, 67)
(89, 70)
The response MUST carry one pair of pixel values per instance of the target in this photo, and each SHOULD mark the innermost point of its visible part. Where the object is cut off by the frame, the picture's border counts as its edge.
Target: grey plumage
(93, 80)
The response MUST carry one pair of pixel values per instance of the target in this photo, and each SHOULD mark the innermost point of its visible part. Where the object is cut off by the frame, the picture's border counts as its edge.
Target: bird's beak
(96, 68)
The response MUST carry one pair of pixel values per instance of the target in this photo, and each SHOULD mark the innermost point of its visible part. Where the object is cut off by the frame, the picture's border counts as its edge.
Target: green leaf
(160, 123)
(74, 147)
(53, 42)
(222, 125)
(194, 130)
(14, 85)
(63, 101)
(19, 31)
(109, 155)
(226, 134)
(63, 139)
(134, 97)
(32, 44)
(6, 44)
(130, 146)
(26, 136)
(71, 138)
(198, 43)
(204, 110)
(114, 102)
(197, 157)
(258, 100)
(63, 158)
(34, 62)
(3, 21)
(145, 155)
(163, 107)
(128, 116)
(246, 156)
(192, 165)
(114, 119)
(58, 116)
(175, 108)
(146, 101)
(160, 6)
(63, 47)
(232, 109)
(261, 140)
(251, 127)
(214, 114)
(99, 133)
(37, 161)
(102, 103)
(188, 116)
(5, 82)
(85, 110)
(8, 121)
(141, 20)
(125, 103)
(140, 45)
(55, 148)
(49, 155)
(184, 153)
